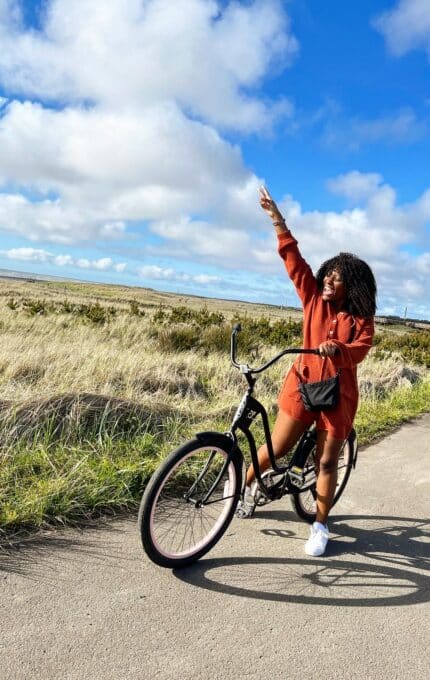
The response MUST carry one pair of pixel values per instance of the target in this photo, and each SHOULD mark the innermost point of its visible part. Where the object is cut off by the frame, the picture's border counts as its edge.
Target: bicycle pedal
(296, 476)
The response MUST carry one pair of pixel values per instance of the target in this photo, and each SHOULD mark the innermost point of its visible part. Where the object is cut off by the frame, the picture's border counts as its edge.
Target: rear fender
(352, 439)
(304, 447)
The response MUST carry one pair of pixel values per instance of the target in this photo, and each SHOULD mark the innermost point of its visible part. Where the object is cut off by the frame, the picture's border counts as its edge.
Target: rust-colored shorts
(337, 422)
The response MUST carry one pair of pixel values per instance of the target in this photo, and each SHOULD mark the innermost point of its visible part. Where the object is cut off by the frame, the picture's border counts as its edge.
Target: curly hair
(360, 284)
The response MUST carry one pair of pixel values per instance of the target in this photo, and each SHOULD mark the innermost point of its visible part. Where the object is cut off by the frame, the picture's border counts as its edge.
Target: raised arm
(298, 269)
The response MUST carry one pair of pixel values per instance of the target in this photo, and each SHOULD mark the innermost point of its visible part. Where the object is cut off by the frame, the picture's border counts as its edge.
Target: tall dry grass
(87, 407)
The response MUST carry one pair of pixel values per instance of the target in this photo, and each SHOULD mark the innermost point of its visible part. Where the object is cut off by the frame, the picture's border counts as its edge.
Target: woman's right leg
(286, 432)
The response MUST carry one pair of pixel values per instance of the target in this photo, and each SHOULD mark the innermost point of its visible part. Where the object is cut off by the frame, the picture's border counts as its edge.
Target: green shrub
(94, 313)
(181, 315)
(182, 329)
(135, 309)
(37, 307)
(177, 339)
(201, 318)
(12, 304)
(205, 318)
(160, 315)
(412, 347)
(67, 307)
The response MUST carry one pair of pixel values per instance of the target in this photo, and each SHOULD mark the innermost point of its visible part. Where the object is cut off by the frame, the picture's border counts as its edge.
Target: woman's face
(334, 288)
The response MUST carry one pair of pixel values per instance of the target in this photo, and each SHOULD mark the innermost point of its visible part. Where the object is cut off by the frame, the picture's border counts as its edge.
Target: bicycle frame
(250, 408)
(176, 528)
(247, 411)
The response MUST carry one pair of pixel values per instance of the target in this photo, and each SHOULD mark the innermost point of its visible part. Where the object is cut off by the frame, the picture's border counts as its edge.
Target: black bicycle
(191, 498)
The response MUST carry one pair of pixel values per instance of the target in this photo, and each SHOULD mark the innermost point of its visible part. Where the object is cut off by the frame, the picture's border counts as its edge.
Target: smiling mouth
(328, 290)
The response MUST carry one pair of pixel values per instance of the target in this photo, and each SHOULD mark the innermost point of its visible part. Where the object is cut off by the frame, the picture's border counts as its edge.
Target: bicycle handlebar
(247, 369)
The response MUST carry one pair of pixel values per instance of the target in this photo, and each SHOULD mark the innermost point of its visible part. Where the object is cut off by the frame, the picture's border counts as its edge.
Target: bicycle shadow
(405, 539)
(391, 569)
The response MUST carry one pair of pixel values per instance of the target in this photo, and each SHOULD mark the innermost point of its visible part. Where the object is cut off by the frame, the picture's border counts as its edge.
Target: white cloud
(204, 239)
(157, 273)
(355, 185)
(113, 230)
(106, 169)
(401, 127)
(423, 263)
(406, 26)
(204, 279)
(133, 142)
(378, 231)
(413, 288)
(102, 264)
(59, 260)
(27, 254)
(142, 53)
(135, 153)
(62, 260)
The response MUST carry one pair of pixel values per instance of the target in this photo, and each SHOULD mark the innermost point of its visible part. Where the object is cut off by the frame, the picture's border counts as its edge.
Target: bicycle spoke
(181, 523)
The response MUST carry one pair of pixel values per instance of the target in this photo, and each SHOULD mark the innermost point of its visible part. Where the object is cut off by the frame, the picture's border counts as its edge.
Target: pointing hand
(269, 205)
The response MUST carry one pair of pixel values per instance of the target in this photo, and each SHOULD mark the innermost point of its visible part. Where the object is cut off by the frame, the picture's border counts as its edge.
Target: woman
(338, 308)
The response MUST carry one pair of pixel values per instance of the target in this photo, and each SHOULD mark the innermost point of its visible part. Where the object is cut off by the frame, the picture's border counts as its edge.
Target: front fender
(230, 446)
(218, 439)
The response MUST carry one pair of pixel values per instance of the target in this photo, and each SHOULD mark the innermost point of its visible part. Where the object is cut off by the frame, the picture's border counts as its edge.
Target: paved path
(90, 605)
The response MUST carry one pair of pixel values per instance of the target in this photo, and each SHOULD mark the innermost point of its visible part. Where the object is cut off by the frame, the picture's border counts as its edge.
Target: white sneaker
(245, 508)
(317, 541)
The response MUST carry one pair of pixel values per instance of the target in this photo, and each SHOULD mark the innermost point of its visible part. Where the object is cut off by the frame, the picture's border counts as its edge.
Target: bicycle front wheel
(304, 503)
(190, 501)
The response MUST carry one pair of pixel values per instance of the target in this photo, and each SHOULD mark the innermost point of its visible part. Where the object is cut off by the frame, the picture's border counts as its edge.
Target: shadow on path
(34, 557)
(390, 567)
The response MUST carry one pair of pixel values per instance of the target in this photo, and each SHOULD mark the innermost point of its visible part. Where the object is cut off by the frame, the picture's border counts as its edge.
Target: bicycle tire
(304, 503)
(176, 531)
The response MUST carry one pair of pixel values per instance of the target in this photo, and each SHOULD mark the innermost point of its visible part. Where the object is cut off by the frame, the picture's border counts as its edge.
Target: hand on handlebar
(328, 348)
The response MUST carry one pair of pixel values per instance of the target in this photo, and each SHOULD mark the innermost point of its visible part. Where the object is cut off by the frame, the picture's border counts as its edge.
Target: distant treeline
(397, 320)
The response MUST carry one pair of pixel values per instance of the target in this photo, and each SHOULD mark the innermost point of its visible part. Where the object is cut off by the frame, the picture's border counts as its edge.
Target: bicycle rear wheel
(304, 503)
(190, 501)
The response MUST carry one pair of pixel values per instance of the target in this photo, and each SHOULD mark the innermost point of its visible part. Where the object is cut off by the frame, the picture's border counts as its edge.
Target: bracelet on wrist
(281, 226)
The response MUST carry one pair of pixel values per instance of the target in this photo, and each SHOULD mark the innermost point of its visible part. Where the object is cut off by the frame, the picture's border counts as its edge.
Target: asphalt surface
(89, 604)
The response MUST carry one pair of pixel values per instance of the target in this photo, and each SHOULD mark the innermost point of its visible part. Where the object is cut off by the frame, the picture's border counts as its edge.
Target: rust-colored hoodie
(352, 335)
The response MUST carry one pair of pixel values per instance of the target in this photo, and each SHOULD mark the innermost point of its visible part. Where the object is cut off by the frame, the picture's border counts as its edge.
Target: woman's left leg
(328, 450)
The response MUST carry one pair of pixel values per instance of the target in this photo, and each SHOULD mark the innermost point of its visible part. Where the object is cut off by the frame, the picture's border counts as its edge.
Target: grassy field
(98, 383)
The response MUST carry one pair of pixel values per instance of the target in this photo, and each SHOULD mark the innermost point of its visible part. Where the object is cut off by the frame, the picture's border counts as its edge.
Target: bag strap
(301, 377)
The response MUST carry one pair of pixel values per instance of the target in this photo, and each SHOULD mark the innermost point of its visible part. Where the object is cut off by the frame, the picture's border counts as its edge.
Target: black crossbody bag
(322, 395)
(319, 396)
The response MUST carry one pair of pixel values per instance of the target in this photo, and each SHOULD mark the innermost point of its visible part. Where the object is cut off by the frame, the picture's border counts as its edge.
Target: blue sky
(134, 135)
